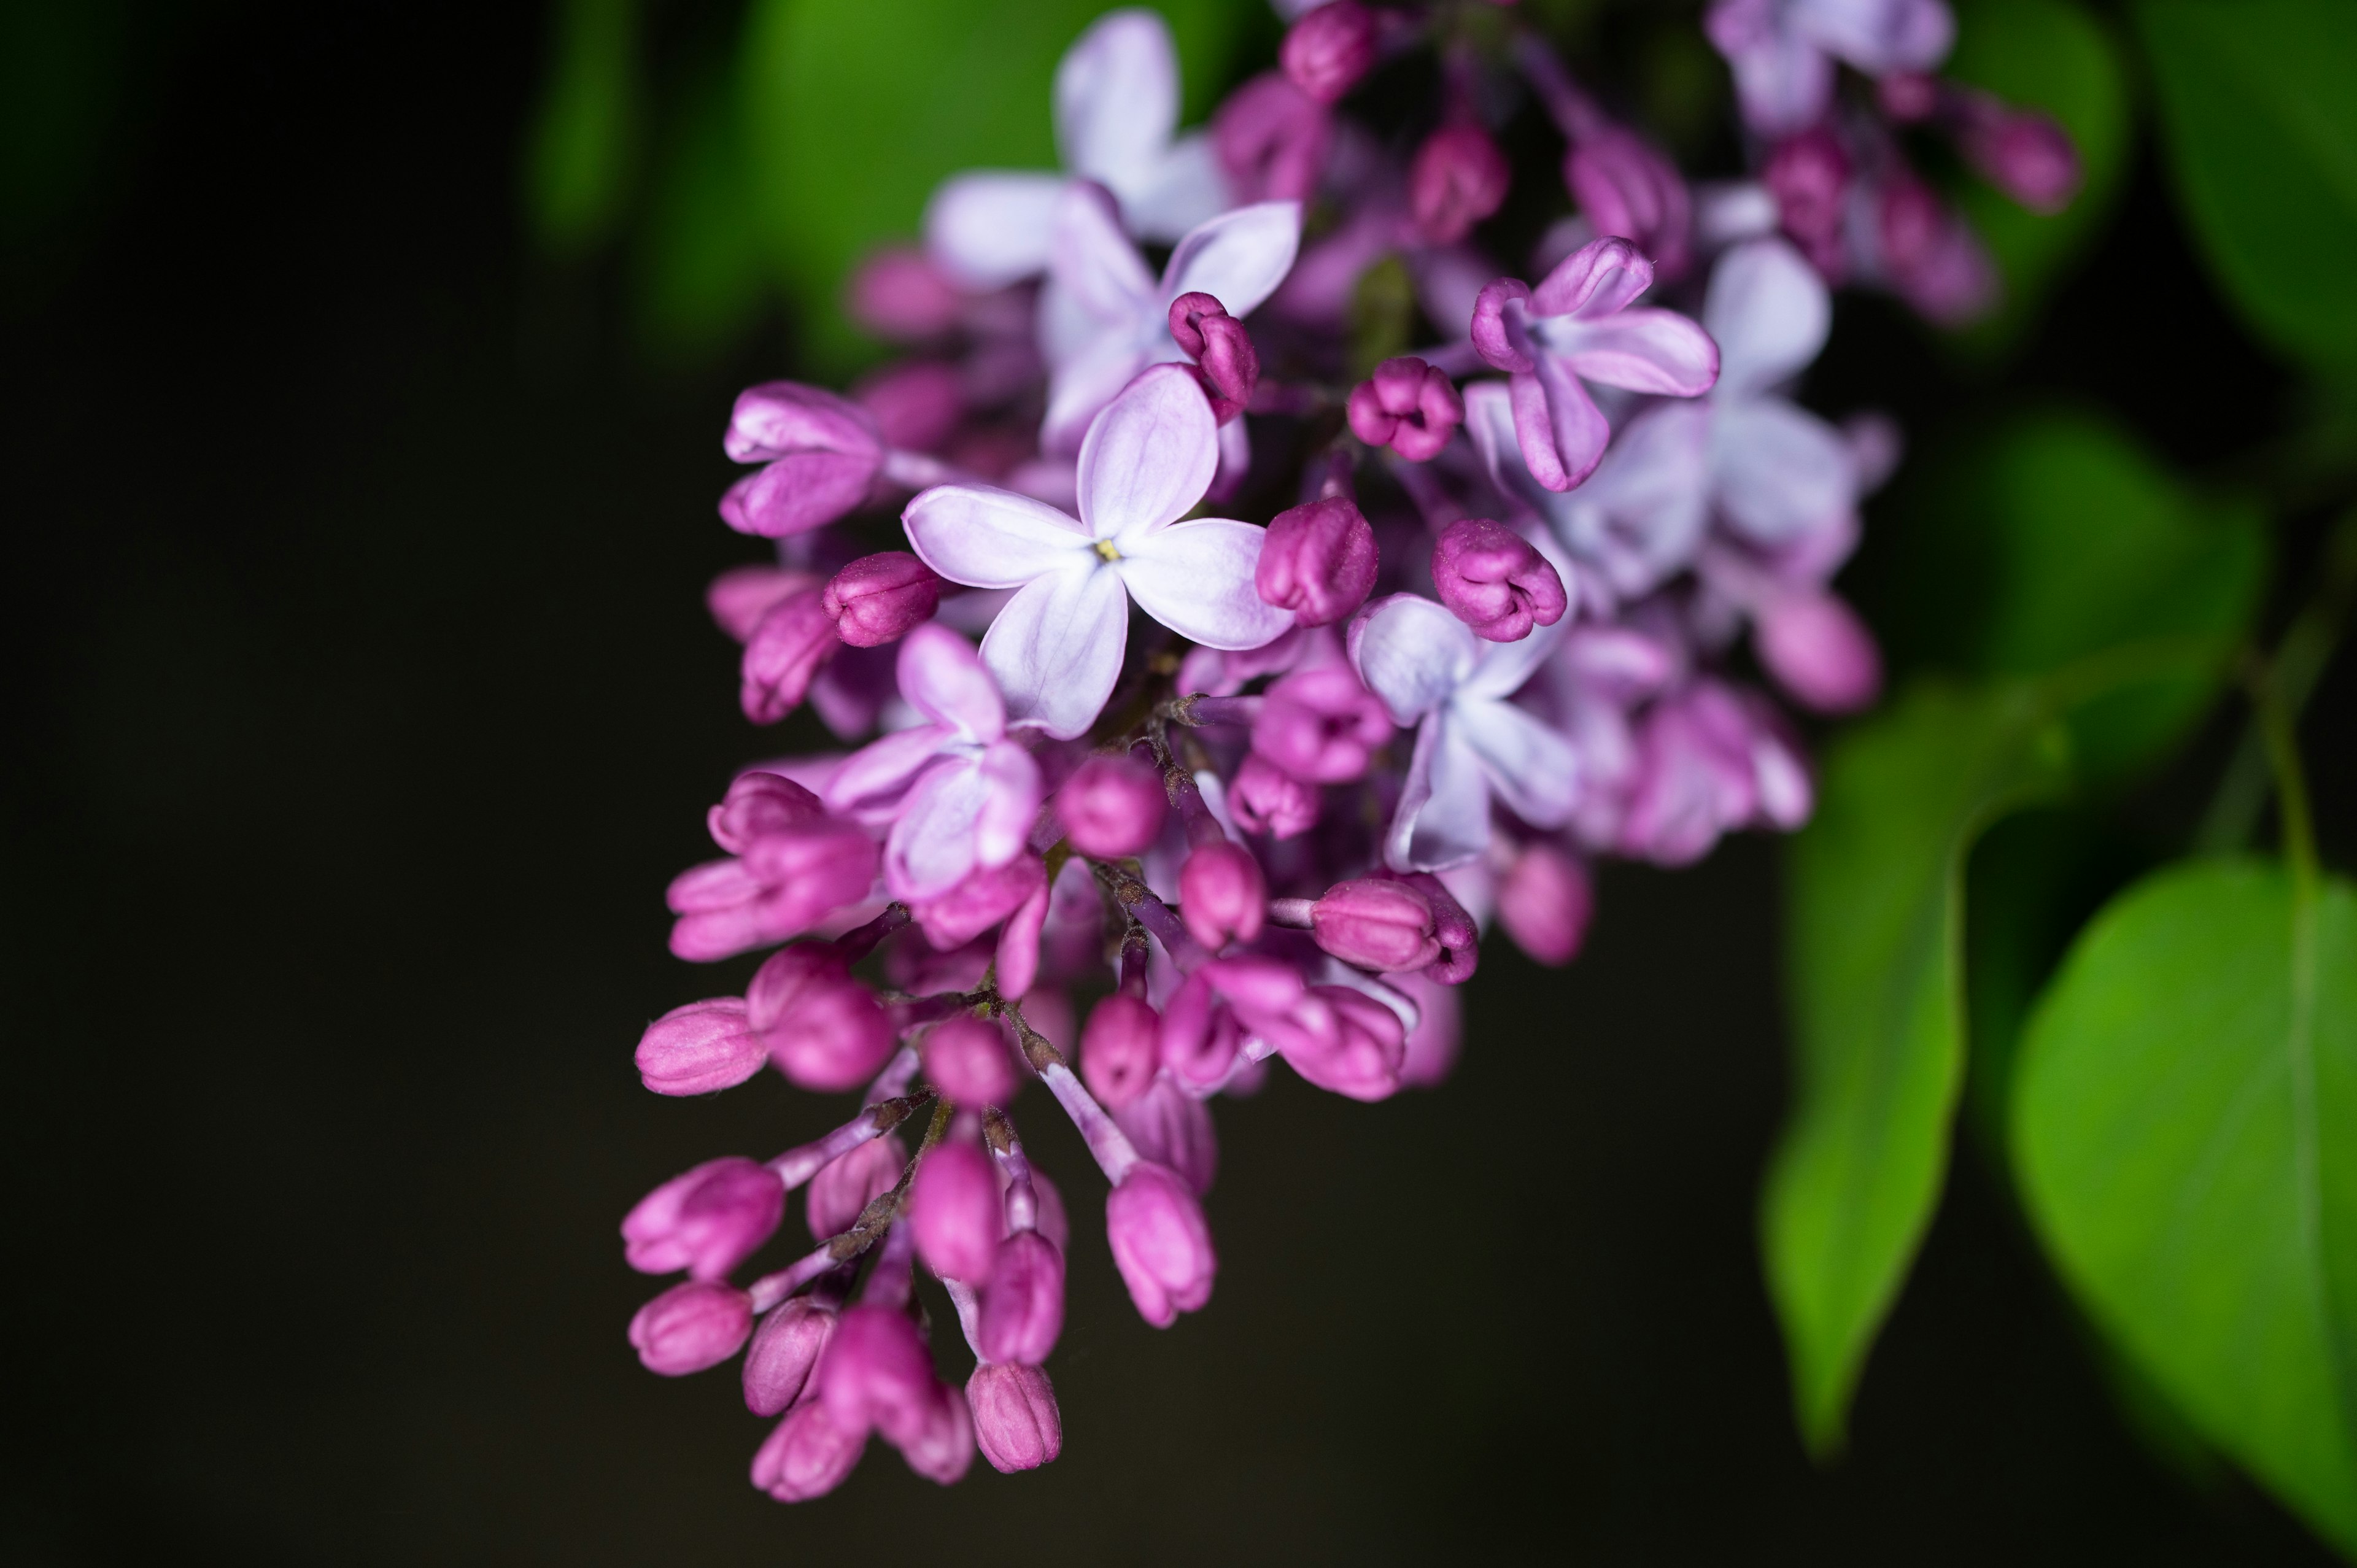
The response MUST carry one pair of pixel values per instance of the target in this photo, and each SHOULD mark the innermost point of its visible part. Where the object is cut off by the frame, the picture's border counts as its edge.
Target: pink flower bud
(693, 1326)
(1809, 176)
(1628, 188)
(1203, 1022)
(793, 640)
(1407, 406)
(1023, 1309)
(821, 455)
(826, 1031)
(1347, 1042)
(741, 596)
(981, 901)
(1120, 1049)
(1265, 798)
(1171, 1127)
(789, 880)
(1930, 256)
(706, 1221)
(941, 1448)
(1015, 1416)
(760, 803)
(703, 1047)
(1227, 364)
(1545, 903)
(967, 1060)
(1321, 726)
(1017, 954)
(1495, 581)
(1433, 1045)
(877, 1373)
(1319, 560)
(808, 1455)
(953, 1211)
(916, 404)
(1271, 138)
(1327, 51)
(2023, 154)
(1222, 895)
(877, 597)
(899, 295)
(1375, 925)
(1160, 1243)
(786, 1346)
(1460, 937)
(1819, 650)
(1112, 807)
(1459, 179)
(850, 1183)
(1907, 96)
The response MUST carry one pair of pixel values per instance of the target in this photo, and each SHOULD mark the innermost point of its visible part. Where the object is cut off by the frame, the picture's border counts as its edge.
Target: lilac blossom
(1783, 51)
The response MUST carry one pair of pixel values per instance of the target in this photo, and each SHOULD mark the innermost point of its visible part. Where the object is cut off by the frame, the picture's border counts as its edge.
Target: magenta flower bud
(1226, 362)
(1327, 51)
(1160, 1243)
(1495, 581)
(760, 803)
(1819, 650)
(916, 404)
(849, 1183)
(1628, 188)
(1271, 138)
(1120, 1049)
(793, 640)
(2023, 154)
(1015, 1416)
(808, 1455)
(706, 1221)
(899, 295)
(1023, 1309)
(741, 596)
(693, 1326)
(1347, 1042)
(1112, 807)
(1171, 1127)
(810, 870)
(1407, 406)
(1460, 937)
(1929, 255)
(941, 1448)
(1222, 895)
(703, 1047)
(1545, 903)
(967, 1060)
(1265, 798)
(785, 1345)
(877, 597)
(1907, 96)
(1319, 560)
(1321, 726)
(1375, 925)
(1809, 176)
(821, 453)
(1459, 179)
(954, 1212)
(826, 1031)
(877, 1373)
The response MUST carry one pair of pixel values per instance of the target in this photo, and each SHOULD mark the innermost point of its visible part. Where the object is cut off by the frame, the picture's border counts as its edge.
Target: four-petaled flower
(1782, 51)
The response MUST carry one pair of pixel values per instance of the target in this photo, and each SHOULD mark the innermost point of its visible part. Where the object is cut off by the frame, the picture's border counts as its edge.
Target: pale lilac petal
(1768, 312)
(1877, 36)
(940, 674)
(1094, 262)
(1783, 81)
(1443, 818)
(1645, 350)
(1235, 462)
(1118, 98)
(990, 228)
(1503, 669)
(988, 538)
(1412, 653)
(1056, 648)
(1197, 579)
(1602, 278)
(1575, 428)
(1239, 257)
(931, 848)
(1640, 517)
(1779, 470)
(1149, 457)
(873, 780)
(1185, 188)
(1533, 769)
(1011, 804)
(1079, 388)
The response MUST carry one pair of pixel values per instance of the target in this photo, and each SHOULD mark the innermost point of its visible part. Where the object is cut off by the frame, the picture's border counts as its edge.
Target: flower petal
(991, 228)
(1531, 767)
(1118, 98)
(1013, 801)
(1443, 817)
(1149, 457)
(1092, 261)
(931, 847)
(1778, 470)
(1575, 429)
(1412, 653)
(942, 676)
(1503, 669)
(988, 538)
(1877, 36)
(1597, 280)
(1056, 648)
(1768, 312)
(1645, 350)
(1197, 579)
(873, 781)
(1080, 388)
(1641, 516)
(1239, 257)
(1186, 187)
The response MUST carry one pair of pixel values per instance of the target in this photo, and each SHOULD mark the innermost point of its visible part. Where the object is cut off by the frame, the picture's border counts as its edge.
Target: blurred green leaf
(2055, 56)
(1875, 928)
(584, 147)
(855, 112)
(2185, 1136)
(2258, 102)
(703, 278)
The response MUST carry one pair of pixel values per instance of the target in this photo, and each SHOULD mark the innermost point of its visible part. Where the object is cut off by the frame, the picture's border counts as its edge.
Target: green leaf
(2258, 103)
(703, 279)
(2054, 56)
(1875, 924)
(855, 112)
(583, 150)
(2185, 1136)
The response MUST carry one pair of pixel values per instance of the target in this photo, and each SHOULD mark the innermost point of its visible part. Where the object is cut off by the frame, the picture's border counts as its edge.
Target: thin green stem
(2297, 828)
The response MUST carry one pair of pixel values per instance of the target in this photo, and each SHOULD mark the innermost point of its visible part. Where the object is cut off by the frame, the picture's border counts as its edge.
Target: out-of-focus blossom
(1783, 51)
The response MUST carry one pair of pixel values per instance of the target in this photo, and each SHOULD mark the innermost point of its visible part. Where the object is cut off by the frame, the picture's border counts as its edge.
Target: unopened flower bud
(954, 1212)
(1171, 1127)
(899, 295)
(1809, 176)
(703, 1047)
(1819, 650)
(877, 1373)
(1452, 927)
(1222, 895)
(706, 1221)
(877, 597)
(1375, 925)
(967, 1060)
(1319, 560)
(916, 404)
(1023, 1309)
(849, 1183)
(1348, 1042)
(1495, 581)
(979, 902)
(1227, 364)
(693, 1326)
(1627, 188)
(1015, 1416)
(2022, 153)
(820, 452)
(1160, 1243)
(824, 1030)
(741, 596)
(759, 803)
(1271, 138)
(785, 1345)
(1265, 798)
(793, 640)
(1327, 50)
(941, 1448)
(1459, 179)
(1407, 406)
(1321, 726)
(808, 1455)
(1906, 97)
(1120, 1049)
(1112, 807)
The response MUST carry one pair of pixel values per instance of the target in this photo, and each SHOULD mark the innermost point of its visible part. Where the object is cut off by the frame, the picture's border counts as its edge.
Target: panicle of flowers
(1214, 789)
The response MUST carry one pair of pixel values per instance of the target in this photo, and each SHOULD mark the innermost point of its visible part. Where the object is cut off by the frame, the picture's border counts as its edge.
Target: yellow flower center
(1106, 550)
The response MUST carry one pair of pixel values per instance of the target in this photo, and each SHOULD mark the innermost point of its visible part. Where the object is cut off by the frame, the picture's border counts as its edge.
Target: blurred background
(364, 370)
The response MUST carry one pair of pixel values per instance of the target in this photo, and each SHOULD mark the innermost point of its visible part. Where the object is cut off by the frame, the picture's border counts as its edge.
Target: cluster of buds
(1211, 791)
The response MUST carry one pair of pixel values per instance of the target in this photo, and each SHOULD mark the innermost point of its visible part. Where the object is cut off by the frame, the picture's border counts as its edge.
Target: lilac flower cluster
(1253, 790)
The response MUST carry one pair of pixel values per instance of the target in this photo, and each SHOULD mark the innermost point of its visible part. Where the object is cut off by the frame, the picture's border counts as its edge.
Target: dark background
(360, 703)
